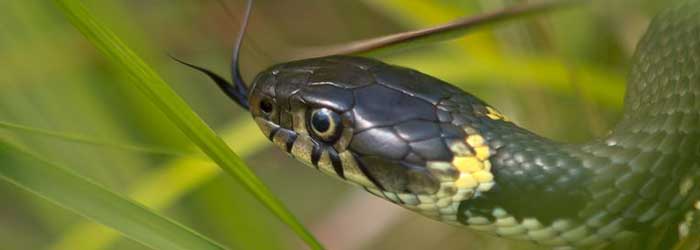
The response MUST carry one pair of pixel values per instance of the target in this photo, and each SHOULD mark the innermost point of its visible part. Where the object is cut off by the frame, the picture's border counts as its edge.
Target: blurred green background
(561, 75)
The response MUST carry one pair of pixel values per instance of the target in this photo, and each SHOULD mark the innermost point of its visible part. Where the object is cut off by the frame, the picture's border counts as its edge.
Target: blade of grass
(172, 105)
(71, 191)
(87, 140)
(182, 175)
(161, 188)
(478, 43)
(434, 34)
(604, 85)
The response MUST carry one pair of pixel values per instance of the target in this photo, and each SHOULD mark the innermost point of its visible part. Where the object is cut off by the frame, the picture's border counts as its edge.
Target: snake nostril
(266, 105)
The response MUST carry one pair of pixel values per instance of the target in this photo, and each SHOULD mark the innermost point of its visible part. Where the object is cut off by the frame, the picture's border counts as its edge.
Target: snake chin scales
(428, 146)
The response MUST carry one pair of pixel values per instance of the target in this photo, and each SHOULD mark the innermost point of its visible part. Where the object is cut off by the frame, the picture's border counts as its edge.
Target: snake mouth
(282, 137)
(303, 148)
(325, 158)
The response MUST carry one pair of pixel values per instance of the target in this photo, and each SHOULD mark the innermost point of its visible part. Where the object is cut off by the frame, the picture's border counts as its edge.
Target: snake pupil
(321, 122)
(324, 124)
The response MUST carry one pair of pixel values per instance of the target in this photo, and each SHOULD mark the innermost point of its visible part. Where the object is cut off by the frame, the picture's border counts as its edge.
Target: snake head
(394, 131)
(402, 135)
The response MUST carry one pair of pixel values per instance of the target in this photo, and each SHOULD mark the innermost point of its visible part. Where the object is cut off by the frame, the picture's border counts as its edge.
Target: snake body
(428, 146)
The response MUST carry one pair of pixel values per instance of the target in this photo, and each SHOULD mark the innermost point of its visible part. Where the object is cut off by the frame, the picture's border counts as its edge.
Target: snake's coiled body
(426, 145)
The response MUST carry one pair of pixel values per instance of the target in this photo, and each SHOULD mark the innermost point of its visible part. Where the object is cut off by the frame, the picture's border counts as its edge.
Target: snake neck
(643, 176)
(654, 152)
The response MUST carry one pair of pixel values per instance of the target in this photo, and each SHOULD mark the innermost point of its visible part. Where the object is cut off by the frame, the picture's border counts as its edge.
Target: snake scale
(428, 146)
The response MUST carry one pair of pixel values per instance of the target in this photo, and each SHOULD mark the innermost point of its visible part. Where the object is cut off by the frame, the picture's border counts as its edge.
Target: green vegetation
(177, 111)
(85, 129)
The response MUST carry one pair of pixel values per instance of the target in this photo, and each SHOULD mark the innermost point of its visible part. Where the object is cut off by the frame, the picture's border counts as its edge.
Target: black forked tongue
(238, 91)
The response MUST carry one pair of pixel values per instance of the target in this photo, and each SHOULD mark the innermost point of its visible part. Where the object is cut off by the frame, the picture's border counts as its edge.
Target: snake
(428, 146)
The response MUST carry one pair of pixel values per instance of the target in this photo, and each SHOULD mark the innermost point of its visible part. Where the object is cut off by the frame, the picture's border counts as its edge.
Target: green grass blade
(88, 141)
(155, 89)
(91, 200)
(161, 188)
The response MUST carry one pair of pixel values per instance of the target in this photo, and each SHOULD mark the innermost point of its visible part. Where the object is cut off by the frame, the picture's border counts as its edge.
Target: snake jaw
(303, 147)
(442, 204)
(467, 175)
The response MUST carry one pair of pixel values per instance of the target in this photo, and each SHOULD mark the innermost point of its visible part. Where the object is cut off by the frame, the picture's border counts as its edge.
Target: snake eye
(266, 105)
(325, 124)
